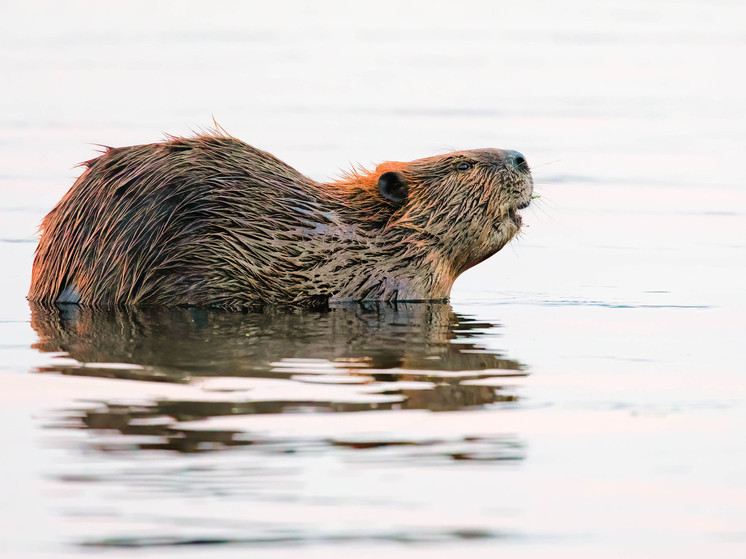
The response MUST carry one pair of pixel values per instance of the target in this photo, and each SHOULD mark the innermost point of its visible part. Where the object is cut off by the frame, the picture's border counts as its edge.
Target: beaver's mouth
(511, 215)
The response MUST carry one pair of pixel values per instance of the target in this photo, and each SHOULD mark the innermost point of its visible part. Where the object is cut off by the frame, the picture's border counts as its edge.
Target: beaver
(210, 221)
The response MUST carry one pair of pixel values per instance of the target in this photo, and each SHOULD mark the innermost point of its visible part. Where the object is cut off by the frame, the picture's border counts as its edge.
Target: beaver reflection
(175, 345)
(380, 346)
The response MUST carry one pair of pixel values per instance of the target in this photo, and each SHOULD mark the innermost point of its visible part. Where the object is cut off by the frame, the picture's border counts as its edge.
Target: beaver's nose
(516, 160)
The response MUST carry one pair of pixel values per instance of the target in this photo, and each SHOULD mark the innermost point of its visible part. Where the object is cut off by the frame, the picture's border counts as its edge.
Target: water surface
(583, 394)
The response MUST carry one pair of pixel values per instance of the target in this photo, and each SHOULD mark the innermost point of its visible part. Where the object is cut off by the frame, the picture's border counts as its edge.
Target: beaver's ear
(393, 188)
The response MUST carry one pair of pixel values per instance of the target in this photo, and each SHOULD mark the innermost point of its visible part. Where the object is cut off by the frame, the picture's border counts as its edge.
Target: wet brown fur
(210, 221)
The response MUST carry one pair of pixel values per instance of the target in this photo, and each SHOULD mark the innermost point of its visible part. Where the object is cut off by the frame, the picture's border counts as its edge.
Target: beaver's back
(189, 221)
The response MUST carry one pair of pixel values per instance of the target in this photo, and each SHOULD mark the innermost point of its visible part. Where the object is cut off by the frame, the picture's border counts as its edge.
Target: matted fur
(210, 221)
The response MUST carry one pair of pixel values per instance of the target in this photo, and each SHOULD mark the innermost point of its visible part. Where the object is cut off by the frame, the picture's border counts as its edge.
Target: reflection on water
(176, 345)
(349, 359)
(259, 411)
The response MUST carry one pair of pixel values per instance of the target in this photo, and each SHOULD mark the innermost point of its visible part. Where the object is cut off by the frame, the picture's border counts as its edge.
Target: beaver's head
(464, 202)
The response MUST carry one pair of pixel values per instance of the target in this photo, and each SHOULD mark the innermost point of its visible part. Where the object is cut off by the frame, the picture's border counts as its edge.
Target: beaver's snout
(509, 160)
(516, 160)
(515, 164)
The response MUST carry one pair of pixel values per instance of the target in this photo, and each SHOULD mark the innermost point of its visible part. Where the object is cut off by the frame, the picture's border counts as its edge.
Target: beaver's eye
(463, 166)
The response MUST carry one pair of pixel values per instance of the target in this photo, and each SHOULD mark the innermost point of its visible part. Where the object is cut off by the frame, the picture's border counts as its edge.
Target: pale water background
(584, 395)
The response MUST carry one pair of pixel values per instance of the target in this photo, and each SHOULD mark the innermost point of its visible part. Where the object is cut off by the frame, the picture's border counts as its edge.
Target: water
(583, 394)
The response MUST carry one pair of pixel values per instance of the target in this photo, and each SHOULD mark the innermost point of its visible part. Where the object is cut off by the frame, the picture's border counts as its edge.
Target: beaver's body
(212, 221)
